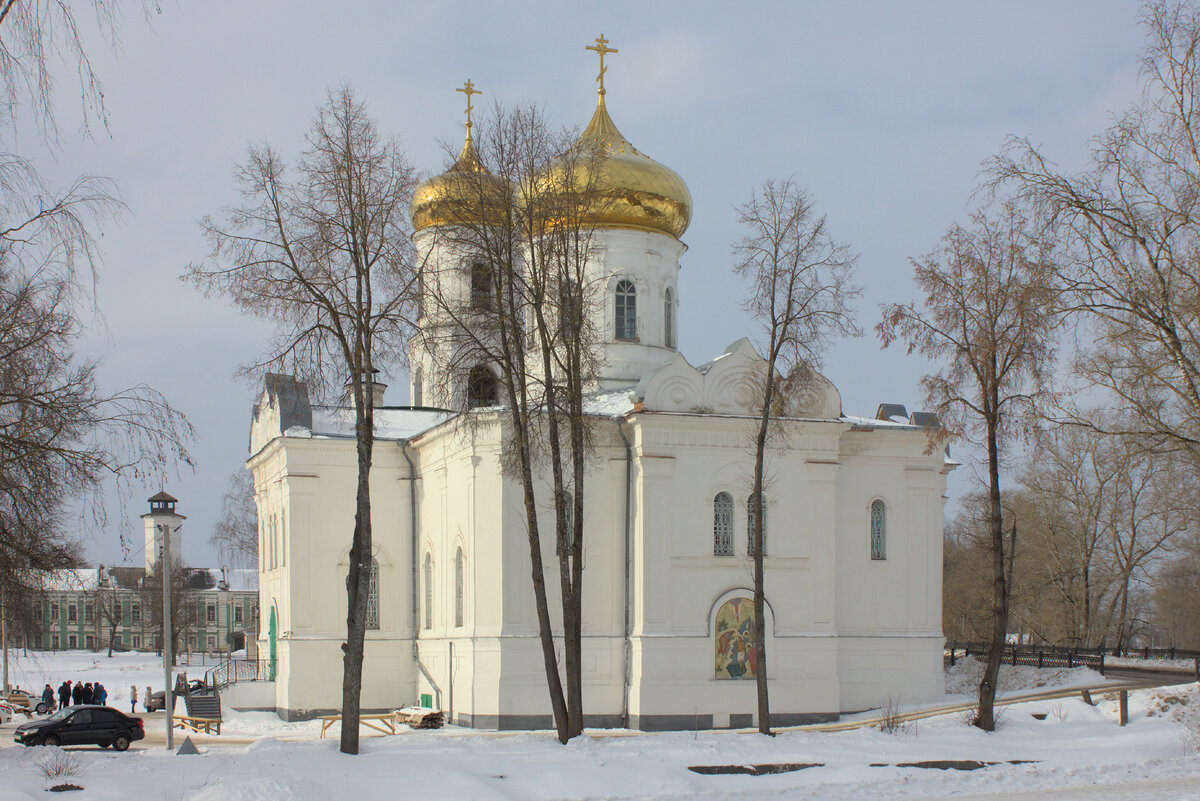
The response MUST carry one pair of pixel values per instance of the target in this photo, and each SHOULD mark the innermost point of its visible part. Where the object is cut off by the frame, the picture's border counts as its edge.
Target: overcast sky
(883, 111)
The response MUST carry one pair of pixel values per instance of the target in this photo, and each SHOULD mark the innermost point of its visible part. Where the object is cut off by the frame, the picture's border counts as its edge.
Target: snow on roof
(611, 403)
(85, 579)
(242, 580)
(874, 422)
(390, 423)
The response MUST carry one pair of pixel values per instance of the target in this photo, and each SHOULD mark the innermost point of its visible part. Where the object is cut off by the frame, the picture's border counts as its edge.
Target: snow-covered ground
(1076, 751)
(33, 670)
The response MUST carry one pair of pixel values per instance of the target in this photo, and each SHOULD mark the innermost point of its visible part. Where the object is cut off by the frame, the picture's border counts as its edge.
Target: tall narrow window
(481, 387)
(626, 311)
(373, 597)
(669, 318)
(481, 286)
(428, 591)
(878, 530)
(458, 587)
(723, 524)
(751, 514)
(418, 386)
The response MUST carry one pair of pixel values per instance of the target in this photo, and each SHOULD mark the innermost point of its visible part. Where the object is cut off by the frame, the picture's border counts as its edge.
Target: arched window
(373, 597)
(878, 530)
(669, 318)
(723, 524)
(481, 286)
(751, 513)
(626, 311)
(459, 580)
(428, 591)
(481, 387)
(418, 398)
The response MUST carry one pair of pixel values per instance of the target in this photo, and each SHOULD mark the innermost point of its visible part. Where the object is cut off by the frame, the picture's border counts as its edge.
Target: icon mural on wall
(736, 655)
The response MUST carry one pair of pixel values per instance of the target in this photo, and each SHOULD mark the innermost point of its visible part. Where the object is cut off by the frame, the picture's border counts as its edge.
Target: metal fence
(1064, 656)
(234, 670)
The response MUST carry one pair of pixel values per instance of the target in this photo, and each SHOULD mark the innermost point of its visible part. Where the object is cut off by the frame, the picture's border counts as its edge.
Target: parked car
(83, 725)
(158, 701)
(6, 713)
(19, 699)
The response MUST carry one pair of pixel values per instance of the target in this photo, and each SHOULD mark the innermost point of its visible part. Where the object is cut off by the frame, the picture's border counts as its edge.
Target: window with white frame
(669, 318)
(137, 640)
(459, 581)
(751, 514)
(625, 323)
(237, 614)
(89, 613)
(72, 641)
(72, 613)
(878, 531)
(55, 642)
(54, 611)
(210, 613)
(373, 597)
(723, 524)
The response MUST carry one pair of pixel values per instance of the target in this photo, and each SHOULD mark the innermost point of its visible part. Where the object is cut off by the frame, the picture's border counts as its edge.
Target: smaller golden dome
(458, 196)
(629, 189)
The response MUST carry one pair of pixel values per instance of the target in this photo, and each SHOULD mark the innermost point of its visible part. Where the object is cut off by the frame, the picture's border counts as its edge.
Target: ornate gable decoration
(730, 384)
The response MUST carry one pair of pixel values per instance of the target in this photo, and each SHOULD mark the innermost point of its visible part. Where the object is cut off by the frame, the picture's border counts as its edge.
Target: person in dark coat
(86, 696)
(64, 695)
(77, 694)
(48, 698)
(99, 694)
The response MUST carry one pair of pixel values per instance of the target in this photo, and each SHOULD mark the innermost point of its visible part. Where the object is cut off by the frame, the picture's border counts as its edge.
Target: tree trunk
(985, 719)
(756, 551)
(358, 578)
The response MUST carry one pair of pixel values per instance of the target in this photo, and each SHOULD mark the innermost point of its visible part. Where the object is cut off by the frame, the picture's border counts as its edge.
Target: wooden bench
(384, 722)
(197, 725)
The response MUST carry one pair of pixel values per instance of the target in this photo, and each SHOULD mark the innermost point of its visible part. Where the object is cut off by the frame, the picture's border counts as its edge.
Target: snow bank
(963, 678)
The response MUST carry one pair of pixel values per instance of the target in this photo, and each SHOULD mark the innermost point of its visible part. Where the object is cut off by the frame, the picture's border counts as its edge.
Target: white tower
(159, 521)
(638, 209)
(448, 212)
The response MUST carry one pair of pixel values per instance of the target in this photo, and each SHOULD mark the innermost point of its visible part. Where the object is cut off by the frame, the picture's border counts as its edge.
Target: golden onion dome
(627, 188)
(458, 196)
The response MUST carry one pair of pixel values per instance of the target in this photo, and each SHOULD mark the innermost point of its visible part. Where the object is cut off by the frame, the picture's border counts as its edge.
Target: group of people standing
(75, 695)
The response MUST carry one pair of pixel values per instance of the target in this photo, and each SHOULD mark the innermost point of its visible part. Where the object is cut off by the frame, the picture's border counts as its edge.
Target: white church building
(853, 514)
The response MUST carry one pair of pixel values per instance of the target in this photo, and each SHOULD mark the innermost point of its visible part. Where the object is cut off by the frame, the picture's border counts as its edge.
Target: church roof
(390, 423)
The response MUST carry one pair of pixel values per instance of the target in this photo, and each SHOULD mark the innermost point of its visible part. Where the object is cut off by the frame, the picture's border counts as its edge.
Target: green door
(271, 632)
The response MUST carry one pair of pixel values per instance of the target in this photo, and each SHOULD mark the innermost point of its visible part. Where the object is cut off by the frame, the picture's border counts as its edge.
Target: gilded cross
(602, 48)
(469, 89)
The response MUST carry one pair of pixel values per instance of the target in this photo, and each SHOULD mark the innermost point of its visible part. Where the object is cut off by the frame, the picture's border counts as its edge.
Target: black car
(83, 725)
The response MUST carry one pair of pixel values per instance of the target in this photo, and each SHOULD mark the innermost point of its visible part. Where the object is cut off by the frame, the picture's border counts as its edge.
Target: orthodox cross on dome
(469, 89)
(602, 48)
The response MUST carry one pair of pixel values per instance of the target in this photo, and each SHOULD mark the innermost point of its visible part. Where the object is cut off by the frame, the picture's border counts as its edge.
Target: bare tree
(235, 534)
(39, 37)
(327, 257)
(519, 303)
(61, 437)
(987, 313)
(801, 289)
(152, 602)
(1129, 231)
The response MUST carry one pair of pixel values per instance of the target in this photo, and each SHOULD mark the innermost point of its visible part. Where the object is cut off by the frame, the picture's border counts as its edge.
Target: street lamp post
(162, 524)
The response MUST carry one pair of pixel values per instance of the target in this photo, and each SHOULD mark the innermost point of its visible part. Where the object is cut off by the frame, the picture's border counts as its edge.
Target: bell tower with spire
(638, 209)
(449, 214)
